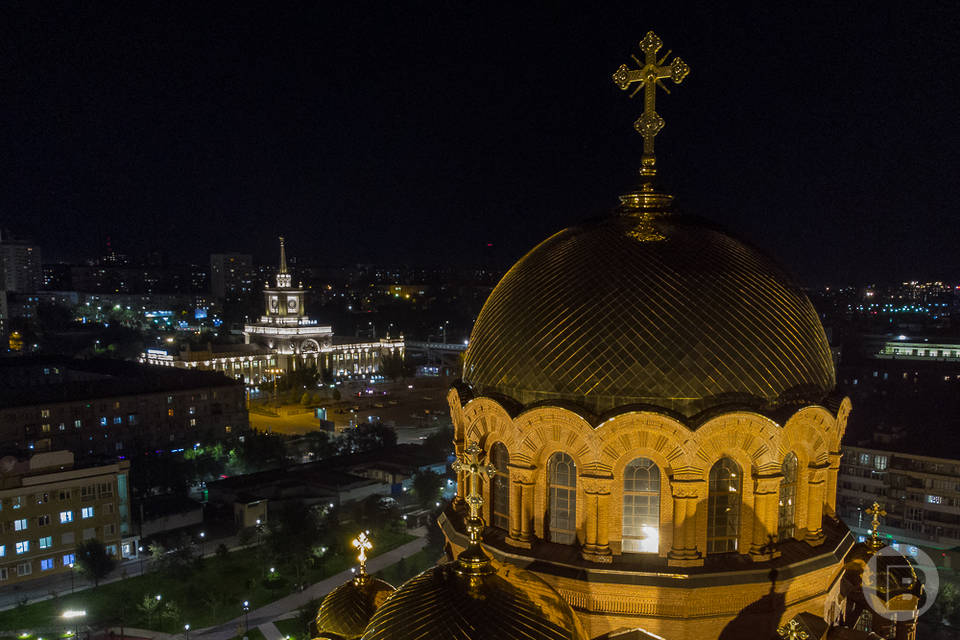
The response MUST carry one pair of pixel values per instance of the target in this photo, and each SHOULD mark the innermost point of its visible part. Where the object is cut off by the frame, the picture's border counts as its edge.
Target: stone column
(521, 506)
(817, 475)
(687, 493)
(596, 547)
(766, 513)
(830, 500)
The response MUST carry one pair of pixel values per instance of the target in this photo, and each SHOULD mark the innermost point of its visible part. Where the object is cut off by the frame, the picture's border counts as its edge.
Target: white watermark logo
(897, 588)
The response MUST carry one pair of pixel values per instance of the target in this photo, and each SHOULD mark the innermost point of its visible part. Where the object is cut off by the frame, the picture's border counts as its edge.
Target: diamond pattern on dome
(593, 316)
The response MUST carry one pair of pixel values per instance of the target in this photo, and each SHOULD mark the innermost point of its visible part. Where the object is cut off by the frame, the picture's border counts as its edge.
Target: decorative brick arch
(486, 419)
(541, 431)
(749, 438)
(642, 431)
(843, 414)
(456, 412)
(807, 435)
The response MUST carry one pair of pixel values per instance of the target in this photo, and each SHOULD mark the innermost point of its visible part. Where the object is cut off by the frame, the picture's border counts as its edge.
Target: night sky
(419, 132)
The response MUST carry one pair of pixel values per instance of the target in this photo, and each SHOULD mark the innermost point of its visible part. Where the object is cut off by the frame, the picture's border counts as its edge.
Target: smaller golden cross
(362, 544)
(877, 513)
(473, 469)
(650, 76)
(792, 631)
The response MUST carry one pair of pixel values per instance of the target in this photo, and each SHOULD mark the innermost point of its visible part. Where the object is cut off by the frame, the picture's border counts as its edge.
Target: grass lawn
(398, 573)
(203, 597)
(291, 628)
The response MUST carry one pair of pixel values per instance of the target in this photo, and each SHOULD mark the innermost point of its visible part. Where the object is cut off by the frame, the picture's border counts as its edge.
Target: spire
(283, 276)
(649, 76)
(473, 563)
(283, 258)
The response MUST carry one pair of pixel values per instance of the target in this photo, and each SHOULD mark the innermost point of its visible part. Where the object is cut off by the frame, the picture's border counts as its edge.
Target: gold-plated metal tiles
(694, 321)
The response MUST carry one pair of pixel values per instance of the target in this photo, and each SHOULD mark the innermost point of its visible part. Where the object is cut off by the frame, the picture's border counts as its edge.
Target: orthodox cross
(650, 76)
(792, 631)
(473, 469)
(877, 513)
(362, 544)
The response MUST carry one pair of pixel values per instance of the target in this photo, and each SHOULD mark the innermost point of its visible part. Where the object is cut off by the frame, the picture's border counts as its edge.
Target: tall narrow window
(788, 498)
(562, 504)
(723, 507)
(500, 486)
(641, 507)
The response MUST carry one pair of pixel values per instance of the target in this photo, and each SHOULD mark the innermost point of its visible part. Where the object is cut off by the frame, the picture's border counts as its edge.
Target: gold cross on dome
(792, 631)
(650, 75)
(473, 469)
(362, 544)
(877, 513)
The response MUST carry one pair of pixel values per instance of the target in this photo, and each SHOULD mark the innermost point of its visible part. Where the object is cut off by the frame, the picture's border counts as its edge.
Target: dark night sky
(388, 132)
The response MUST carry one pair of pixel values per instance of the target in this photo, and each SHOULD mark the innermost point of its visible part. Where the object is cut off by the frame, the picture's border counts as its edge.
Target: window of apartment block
(934, 499)
(3, 550)
(42, 498)
(46, 564)
(64, 494)
(117, 419)
(24, 568)
(132, 418)
(108, 507)
(20, 525)
(106, 490)
(110, 530)
(3, 573)
(880, 462)
(86, 512)
(88, 492)
(68, 538)
(16, 502)
(23, 546)
(45, 413)
(62, 427)
(111, 549)
(89, 533)
(46, 542)
(69, 559)
(45, 427)
(43, 520)
(865, 459)
(66, 516)
(103, 421)
(78, 423)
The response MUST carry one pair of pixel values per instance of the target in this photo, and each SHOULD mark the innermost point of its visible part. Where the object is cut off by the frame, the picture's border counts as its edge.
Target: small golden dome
(510, 604)
(347, 609)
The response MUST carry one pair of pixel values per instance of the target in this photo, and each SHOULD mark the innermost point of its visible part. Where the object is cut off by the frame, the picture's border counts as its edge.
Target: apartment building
(113, 408)
(48, 505)
(921, 495)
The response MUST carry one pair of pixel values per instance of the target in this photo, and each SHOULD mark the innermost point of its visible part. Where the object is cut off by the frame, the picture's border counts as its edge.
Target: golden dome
(511, 604)
(346, 610)
(639, 310)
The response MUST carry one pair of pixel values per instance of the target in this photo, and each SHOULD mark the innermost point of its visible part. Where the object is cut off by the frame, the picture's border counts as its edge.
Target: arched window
(723, 507)
(788, 498)
(562, 499)
(500, 487)
(641, 506)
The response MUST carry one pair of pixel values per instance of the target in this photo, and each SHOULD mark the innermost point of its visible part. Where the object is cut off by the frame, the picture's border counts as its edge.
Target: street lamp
(275, 372)
(71, 577)
(246, 621)
(71, 614)
(140, 557)
(186, 631)
(202, 536)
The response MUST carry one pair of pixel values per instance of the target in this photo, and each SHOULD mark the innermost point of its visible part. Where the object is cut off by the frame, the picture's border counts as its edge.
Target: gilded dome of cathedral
(662, 310)
(345, 611)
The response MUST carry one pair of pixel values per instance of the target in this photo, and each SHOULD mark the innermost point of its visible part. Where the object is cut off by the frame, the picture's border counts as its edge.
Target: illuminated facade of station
(285, 338)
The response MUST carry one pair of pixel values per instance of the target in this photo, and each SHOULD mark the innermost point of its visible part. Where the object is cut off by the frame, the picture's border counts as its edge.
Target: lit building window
(87, 512)
(641, 507)
(880, 463)
(23, 546)
(500, 494)
(46, 564)
(562, 505)
(788, 498)
(20, 525)
(46, 543)
(69, 559)
(66, 516)
(723, 507)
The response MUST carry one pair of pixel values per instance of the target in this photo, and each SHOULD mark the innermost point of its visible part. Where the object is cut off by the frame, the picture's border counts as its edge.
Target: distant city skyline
(391, 134)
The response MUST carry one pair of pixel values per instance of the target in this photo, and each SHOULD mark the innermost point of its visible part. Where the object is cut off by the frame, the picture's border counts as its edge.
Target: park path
(270, 612)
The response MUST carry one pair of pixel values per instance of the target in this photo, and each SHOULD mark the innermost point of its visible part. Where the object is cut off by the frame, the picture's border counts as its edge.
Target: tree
(93, 561)
(293, 534)
(426, 485)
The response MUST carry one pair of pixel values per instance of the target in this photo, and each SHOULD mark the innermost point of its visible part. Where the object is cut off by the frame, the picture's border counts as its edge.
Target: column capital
(767, 483)
(835, 459)
(683, 488)
(817, 473)
(596, 484)
(522, 474)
